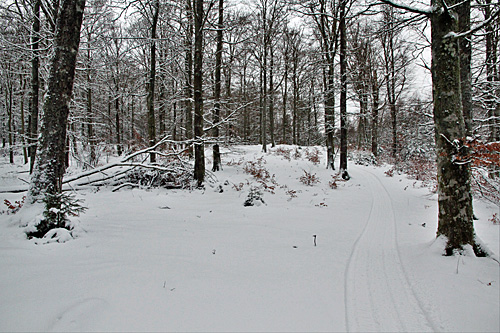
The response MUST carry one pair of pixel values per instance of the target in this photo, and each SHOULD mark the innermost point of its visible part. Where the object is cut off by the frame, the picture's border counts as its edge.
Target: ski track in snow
(378, 295)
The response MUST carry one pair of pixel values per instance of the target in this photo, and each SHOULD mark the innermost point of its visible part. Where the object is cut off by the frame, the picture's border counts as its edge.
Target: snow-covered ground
(178, 260)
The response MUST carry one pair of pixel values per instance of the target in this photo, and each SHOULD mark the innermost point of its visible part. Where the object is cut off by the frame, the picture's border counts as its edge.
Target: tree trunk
(492, 77)
(188, 107)
(199, 153)
(271, 98)
(285, 96)
(117, 126)
(343, 90)
(49, 167)
(264, 95)
(390, 73)
(217, 90)
(35, 85)
(152, 76)
(90, 128)
(23, 129)
(454, 197)
(295, 98)
(8, 104)
(375, 106)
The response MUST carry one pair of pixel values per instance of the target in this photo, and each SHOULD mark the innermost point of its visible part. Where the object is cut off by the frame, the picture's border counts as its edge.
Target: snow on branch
(476, 28)
(427, 11)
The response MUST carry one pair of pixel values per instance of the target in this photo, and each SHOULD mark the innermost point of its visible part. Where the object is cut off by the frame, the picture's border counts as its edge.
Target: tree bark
(343, 89)
(285, 96)
(49, 167)
(151, 86)
(199, 152)
(188, 107)
(375, 106)
(492, 77)
(35, 85)
(271, 98)
(218, 85)
(454, 196)
(264, 86)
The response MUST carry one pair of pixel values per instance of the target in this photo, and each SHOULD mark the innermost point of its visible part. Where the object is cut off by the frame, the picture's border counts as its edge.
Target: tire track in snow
(378, 296)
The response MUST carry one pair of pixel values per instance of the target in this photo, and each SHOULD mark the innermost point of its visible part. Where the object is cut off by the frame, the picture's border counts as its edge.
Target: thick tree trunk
(199, 152)
(49, 167)
(454, 196)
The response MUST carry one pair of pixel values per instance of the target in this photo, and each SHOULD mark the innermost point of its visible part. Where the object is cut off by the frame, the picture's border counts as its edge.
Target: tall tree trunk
(35, 85)
(117, 126)
(188, 44)
(343, 89)
(454, 196)
(492, 77)
(8, 104)
(21, 107)
(390, 73)
(151, 86)
(295, 99)
(49, 167)
(271, 97)
(285, 96)
(264, 95)
(375, 106)
(90, 127)
(199, 152)
(162, 114)
(217, 90)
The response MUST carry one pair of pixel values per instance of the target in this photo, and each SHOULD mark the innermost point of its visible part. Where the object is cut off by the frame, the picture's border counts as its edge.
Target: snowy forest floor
(180, 260)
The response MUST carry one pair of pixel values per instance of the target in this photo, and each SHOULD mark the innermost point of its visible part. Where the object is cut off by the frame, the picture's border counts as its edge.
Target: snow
(179, 260)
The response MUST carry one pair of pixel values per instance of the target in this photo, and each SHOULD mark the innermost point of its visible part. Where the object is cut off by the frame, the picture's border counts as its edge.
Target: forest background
(170, 75)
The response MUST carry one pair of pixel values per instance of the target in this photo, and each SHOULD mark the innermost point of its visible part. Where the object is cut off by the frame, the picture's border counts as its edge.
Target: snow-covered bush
(57, 210)
(254, 197)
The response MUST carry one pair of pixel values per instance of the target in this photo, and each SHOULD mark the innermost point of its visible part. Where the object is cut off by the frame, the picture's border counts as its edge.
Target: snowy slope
(158, 260)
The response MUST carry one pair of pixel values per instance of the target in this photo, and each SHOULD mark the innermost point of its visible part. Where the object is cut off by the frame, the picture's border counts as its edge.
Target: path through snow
(378, 296)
